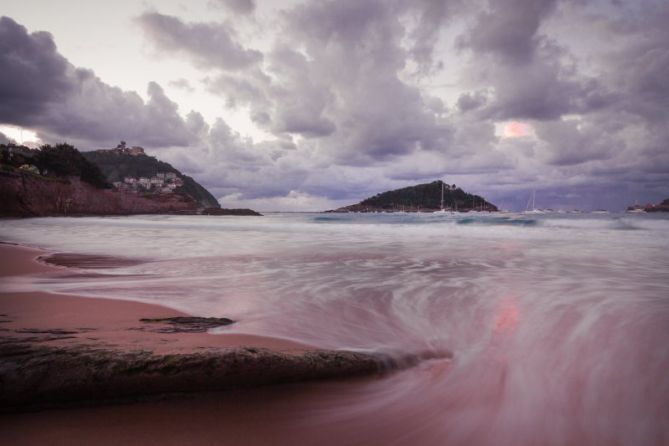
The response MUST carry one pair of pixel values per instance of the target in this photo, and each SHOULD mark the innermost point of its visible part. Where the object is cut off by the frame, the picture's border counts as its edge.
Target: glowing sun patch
(515, 129)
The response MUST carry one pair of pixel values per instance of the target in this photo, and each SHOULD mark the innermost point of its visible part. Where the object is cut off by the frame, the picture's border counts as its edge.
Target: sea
(548, 329)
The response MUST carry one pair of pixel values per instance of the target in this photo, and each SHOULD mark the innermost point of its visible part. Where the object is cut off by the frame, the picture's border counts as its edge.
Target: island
(428, 197)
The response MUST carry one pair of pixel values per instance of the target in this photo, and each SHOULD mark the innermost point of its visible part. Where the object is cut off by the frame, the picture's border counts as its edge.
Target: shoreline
(52, 311)
(59, 350)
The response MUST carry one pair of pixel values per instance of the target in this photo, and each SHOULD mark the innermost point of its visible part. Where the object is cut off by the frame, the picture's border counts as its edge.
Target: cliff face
(24, 194)
(422, 197)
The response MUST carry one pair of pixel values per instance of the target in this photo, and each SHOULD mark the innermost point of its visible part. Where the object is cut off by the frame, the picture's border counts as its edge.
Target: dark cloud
(33, 74)
(508, 29)
(640, 68)
(241, 90)
(571, 142)
(586, 79)
(300, 99)
(101, 114)
(544, 90)
(431, 18)
(529, 75)
(206, 44)
(238, 6)
(354, 53)
(342, 89)
(41, 90)
(472, 101)
(364, 96)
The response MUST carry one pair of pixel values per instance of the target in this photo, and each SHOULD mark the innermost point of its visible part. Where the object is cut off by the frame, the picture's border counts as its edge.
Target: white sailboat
(532, 209)
(636, 209)
(442, 209)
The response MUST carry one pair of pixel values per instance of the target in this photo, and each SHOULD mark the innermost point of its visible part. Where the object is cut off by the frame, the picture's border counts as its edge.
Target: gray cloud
(238, 6)
(508, 29)
(432, 15)
(206, 44)
(572, 142)
(337, 81)
(340, 92)
(345, 87)
(33, 74)
(182, 84)
(544, 90)
(40, 89)
(345, 91)
(472, 101)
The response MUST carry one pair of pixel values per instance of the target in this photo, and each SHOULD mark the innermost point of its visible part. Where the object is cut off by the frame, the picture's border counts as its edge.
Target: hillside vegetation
(59, 161)
(422, 197)
(116, 166)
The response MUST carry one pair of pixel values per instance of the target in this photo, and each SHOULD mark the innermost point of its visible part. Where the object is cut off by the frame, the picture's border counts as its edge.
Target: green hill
(117, 164)
(59, 161)
(422, 197)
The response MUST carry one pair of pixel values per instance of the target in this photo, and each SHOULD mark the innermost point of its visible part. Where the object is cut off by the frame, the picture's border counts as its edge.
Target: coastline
(60, 350)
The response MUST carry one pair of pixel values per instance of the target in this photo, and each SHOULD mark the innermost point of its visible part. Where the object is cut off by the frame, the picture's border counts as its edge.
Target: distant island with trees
(422, 198)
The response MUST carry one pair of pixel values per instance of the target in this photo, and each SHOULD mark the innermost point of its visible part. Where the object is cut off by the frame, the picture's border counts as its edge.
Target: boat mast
(530, 200)
(442, 195)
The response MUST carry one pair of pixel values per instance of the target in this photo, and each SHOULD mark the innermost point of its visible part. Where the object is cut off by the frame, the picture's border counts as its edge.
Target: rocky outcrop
(23, 194)
(187, 324)
(37, 376)
(223, 211)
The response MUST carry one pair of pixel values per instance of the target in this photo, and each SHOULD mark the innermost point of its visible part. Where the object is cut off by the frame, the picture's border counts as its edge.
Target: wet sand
(100, 322)
(60, 327)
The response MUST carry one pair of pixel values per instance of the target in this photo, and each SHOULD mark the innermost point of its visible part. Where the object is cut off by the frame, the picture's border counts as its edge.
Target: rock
(36, 376)
(223, 211)
(189, 324)
(88, 261)
(53, 331)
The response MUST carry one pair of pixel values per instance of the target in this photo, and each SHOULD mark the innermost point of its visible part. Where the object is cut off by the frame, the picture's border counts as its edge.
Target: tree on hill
(65, 160)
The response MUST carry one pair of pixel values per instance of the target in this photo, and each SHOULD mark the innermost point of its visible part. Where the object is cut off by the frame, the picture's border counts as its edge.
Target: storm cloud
(353, 97)
(206, 44)
(40, 89)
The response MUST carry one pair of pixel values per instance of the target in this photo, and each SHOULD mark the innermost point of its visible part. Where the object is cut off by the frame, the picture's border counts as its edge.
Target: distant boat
(600, 211)
(442, 210)
(636, 209)
(532, 209)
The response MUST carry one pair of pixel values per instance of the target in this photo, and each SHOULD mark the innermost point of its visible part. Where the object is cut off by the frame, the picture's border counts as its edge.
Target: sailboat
(636, 209)
(532, 209)
(442, 209)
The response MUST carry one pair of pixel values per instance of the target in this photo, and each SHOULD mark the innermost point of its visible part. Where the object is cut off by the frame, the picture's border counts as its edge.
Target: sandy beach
(105, 323)
(66, 338)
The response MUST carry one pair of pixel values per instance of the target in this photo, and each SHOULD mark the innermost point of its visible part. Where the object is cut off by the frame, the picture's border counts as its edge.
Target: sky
(311, 105)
